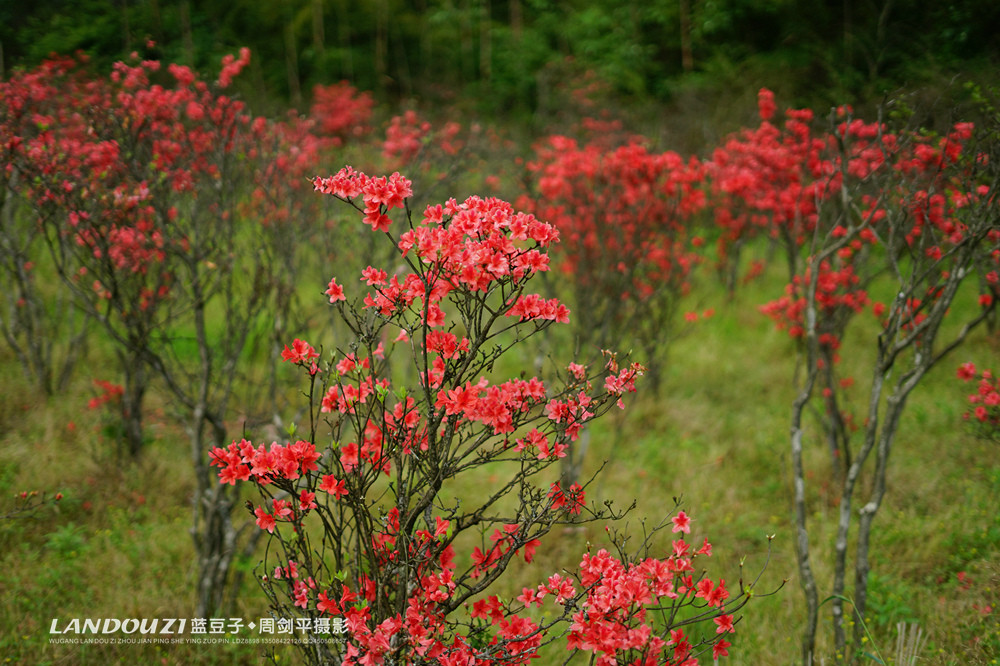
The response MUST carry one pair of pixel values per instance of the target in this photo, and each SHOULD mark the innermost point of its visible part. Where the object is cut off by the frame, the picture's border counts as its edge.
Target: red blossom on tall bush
(44, 330)
(341, 112)
(623, 215)
(396, 567)
(112, 172)
(984, 404)
(134, 180)
(909, 212)
(769, 181)
(404, 137)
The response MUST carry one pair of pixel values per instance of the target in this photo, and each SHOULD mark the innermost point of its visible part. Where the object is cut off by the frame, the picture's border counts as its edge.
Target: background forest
(508, 58)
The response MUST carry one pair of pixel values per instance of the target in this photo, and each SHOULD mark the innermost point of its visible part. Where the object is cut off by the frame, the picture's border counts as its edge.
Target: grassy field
(117, 544)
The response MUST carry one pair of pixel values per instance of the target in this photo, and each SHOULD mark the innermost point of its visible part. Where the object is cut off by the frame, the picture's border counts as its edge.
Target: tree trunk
(187, 39)
(213, 531)
(381, 43)
(344, 33)
(465, 37)
(292, 65)
(485, 45)
(126, 28)
(131, 404)
(319, 33)
(319, 36)
(154, 10)
(846, 503)
(687, 53)
(807, 579)
(516, 20)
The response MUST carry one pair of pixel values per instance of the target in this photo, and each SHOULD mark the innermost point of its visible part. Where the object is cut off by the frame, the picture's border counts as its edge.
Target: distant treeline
(510, 55)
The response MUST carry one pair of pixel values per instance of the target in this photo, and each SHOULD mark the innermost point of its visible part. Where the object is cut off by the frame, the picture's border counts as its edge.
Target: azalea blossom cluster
(75, 173)
(145, 185)
(837, 292)
(769, 180)
(341, 111)
(616, 599)
(984, 404)
(776, 180)
(632, 220)
(404, 137)
(366, 525)
(105, 163)
(110, 394)
(794, 166)
(436, 152)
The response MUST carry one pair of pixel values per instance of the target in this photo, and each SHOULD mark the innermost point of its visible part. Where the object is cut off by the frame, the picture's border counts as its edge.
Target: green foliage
(889, 602)
(495, 53)
(91, 26)
(966, 548)
(67, 542)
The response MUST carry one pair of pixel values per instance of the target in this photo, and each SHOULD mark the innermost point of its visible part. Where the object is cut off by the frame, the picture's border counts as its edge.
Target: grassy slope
(117, 545)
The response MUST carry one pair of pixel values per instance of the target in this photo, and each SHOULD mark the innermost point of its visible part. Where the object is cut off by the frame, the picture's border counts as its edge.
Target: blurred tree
(503, 54)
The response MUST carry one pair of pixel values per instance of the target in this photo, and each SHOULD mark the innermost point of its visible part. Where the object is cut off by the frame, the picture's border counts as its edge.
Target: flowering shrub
(910, 212)
(372, 530)
(27, 502)
(45, 332)
(837, 296)
(404, 137)
(135, 181)
(111, 169)
(341, 112)
(627, 247)
(439, 153)
(282, 210)
(111, 394)
(984, 404)
(769, 180)
(914, 211)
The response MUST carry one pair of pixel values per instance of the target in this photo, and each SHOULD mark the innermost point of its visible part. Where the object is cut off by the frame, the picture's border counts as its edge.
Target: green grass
(117, 545)
(716, 437)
